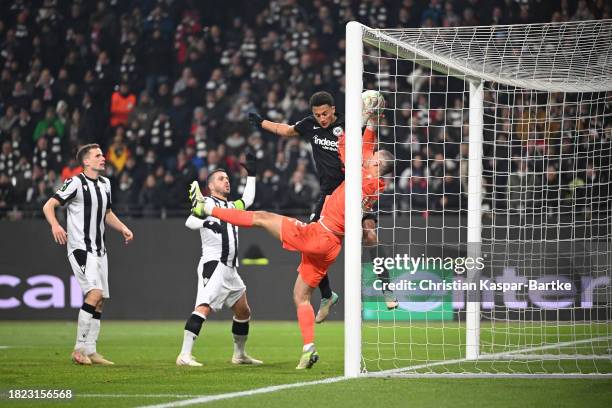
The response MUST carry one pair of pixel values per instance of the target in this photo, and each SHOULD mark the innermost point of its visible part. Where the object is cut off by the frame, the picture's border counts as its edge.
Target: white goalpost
(497, 221)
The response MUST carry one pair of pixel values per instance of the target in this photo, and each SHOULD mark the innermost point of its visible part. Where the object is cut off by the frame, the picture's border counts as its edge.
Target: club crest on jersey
(337, 131)
(66, 183)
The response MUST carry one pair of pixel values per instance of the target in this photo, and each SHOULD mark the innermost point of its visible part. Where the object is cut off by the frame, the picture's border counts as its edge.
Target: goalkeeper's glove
(250, 164)
(255, 120)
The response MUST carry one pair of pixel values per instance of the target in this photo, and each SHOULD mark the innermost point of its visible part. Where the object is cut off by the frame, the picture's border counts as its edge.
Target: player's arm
(59, 234)
(248, 195)
(115, 223)
(279, 129)
(66, 193)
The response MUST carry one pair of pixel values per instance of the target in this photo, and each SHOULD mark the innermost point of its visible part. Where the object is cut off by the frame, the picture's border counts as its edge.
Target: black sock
(240, 328)
(91, 309)
(194, 324)
(325, 288)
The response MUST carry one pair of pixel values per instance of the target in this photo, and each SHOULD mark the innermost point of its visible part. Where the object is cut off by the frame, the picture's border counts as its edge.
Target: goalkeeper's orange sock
(239, 218)
(306, 320)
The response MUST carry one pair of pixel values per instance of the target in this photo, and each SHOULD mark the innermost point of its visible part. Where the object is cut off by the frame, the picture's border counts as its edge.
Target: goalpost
(503, 144)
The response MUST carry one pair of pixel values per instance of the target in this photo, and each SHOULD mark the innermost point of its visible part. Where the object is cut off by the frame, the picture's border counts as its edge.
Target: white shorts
(218, 285)
(90, 270)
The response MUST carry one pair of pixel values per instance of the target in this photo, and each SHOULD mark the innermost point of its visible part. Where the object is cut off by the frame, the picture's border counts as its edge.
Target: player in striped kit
(218, 281)
(88, 196)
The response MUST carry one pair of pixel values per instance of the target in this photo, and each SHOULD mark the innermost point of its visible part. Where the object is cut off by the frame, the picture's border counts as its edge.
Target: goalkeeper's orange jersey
(332, 215)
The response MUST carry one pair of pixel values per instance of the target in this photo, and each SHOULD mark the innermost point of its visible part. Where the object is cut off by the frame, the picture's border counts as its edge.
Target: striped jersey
(219, 238)
(88, 200)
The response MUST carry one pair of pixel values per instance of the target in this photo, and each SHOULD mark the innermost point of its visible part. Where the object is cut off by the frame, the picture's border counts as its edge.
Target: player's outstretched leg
(240, 332)
(190, 334)
(247, 219)
(305, 314)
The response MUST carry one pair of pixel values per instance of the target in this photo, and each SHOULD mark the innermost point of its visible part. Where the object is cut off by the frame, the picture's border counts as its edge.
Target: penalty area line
(246, 393)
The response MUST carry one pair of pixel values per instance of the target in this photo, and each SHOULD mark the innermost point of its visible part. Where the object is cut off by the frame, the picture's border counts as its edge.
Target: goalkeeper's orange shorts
(319, 247)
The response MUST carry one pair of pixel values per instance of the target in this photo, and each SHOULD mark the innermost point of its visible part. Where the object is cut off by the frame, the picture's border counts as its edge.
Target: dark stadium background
(164, 87)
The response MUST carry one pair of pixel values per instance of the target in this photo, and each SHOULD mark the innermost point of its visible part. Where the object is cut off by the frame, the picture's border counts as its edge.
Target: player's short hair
(386, 159)
(84, 151)
(321, 98)
(212, 173)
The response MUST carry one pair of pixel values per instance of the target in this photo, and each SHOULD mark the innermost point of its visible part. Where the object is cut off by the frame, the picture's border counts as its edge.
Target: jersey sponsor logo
(326, 143)
(337, 131)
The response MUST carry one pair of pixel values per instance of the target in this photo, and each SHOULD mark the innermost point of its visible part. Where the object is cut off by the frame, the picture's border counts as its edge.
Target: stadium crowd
(164, 87)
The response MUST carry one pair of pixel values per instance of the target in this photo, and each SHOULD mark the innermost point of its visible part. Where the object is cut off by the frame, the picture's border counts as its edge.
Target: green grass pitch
(35, 355)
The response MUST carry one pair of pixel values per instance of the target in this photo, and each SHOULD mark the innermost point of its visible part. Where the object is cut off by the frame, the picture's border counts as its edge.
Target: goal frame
(353, 231)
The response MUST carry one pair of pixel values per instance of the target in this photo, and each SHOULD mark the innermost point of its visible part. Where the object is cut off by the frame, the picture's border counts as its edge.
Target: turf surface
(35, 355)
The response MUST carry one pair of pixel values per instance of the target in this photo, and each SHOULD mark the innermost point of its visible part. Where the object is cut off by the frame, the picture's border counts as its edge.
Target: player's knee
(94, 297)
(244, 313)
(203, 309)
(300, 297)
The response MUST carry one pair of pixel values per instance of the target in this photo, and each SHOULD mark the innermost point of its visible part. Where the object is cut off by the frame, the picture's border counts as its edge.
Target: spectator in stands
(8, 120)
(149, 198)
(118, 152)
(7, 195)
(298, 194)
(50, 120)
(197, 73)
(122, 103)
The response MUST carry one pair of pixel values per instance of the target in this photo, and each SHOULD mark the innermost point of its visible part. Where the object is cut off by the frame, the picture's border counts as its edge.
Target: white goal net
(496, 225)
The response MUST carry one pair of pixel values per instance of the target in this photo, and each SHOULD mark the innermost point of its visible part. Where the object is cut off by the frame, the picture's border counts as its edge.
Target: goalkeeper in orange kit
(319, 242)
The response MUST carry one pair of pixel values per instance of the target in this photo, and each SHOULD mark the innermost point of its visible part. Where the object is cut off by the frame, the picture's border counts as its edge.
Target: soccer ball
(373, 104)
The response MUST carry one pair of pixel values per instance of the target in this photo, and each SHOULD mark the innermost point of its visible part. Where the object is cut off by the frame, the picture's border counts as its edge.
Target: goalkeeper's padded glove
(255, 120)
(251, 164)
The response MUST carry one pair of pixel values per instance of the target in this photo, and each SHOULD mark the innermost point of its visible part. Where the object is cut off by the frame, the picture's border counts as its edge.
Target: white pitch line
(5, 347)
(138, 395)
(274, 388)
(246, 393)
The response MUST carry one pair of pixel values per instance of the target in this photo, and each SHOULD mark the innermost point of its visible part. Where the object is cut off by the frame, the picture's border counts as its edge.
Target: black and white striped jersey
(88, 200)
(219, 238)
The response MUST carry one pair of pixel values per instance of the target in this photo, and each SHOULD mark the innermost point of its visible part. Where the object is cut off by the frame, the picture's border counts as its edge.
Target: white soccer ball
(373, 104)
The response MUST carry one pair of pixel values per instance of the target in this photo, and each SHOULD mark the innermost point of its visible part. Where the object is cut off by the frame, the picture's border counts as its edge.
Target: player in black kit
(323, 129)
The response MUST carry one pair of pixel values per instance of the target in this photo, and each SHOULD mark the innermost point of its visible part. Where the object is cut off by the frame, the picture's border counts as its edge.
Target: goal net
(496, 225)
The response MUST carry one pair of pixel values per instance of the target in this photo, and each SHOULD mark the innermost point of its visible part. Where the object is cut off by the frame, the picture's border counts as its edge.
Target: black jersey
(324, 142)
